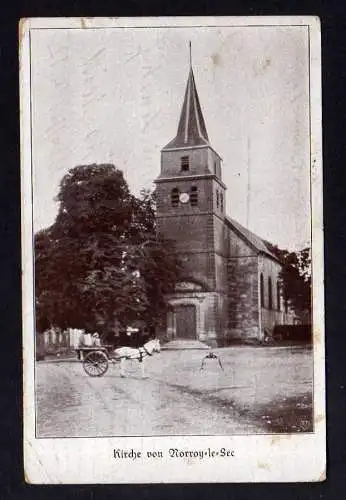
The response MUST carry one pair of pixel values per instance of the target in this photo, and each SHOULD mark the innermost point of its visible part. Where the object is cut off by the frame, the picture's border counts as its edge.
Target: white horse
(140, 353)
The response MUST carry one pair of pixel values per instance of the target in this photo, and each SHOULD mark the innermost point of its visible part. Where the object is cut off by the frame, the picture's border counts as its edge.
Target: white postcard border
(257, 458)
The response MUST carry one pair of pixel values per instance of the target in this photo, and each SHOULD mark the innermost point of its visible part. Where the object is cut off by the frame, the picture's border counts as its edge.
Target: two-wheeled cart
(95, 359)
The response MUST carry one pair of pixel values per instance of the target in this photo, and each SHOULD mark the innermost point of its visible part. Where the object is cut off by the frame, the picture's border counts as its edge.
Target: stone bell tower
(191, 211)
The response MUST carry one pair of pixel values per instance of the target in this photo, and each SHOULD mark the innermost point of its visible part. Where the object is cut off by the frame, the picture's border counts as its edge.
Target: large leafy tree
(100, 262)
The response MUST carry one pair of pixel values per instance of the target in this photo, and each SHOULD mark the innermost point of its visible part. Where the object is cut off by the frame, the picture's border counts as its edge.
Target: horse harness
(143, 352)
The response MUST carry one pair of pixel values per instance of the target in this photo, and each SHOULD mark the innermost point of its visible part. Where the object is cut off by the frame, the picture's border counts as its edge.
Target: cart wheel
(95, 364)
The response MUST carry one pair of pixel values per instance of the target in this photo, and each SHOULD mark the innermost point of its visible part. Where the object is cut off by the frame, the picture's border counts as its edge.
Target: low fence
(57, 341)
(64, 341)
(295, 333)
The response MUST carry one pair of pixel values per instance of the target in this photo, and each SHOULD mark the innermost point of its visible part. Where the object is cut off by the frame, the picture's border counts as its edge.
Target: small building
(230, 289)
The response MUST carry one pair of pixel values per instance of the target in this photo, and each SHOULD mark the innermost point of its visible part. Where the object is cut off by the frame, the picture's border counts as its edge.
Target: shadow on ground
(284, 415)
(287, 415)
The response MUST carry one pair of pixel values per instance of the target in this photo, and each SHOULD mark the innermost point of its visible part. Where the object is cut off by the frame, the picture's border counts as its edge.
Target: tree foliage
(295, 278)
(101, 262)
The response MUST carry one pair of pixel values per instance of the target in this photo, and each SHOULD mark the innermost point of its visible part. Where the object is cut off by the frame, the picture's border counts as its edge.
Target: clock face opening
(184, 198)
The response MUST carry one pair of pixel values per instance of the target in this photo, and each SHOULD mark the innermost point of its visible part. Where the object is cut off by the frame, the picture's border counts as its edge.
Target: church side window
(270, 294)
(217, 198)
(175, 197)
(286, 306)
(194, 196)
(221, 202)
(278, 295)
(184, 163)
(262, 290)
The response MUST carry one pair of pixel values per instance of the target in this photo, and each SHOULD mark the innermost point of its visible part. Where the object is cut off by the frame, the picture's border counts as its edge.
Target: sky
(114, 95)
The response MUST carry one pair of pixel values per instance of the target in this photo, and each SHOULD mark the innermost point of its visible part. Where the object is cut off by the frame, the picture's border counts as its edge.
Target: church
(230, 290)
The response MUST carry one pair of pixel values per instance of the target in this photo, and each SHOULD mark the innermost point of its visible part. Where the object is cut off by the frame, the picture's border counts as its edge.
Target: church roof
(251, 238)
(191, 128)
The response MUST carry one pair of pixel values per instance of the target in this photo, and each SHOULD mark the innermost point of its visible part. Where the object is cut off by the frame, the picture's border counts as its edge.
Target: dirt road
(176, 398)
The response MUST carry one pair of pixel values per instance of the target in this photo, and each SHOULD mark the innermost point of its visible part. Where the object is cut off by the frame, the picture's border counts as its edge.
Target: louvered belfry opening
(194, 196)
(175, 197)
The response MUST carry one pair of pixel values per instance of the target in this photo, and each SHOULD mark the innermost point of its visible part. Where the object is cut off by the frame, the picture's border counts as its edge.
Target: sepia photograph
(172, 235)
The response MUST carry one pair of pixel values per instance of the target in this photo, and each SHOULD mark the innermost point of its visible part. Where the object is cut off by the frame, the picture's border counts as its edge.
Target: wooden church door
(185, 321)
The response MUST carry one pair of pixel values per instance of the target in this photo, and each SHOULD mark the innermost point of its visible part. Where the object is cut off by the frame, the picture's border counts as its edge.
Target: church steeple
(191, 128)
(190, 154)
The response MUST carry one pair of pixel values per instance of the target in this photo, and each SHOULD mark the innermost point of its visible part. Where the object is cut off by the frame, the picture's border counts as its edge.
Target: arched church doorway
(185, 321)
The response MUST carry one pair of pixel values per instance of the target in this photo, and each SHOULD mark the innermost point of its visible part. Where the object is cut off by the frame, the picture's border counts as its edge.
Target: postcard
(172, 250)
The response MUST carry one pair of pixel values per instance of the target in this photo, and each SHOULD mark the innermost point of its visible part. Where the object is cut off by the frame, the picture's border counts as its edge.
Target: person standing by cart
(84, 340)
(96, 341)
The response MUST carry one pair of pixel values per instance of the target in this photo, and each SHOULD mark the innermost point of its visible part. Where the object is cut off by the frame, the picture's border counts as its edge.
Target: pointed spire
(191, 128)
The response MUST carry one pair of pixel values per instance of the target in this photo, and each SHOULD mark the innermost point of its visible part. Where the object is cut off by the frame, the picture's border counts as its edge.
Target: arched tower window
(175, 197)
(217, 198)
(184, 162)
(262, 290)
(221, 201)
(270, 293)
(194, 196)
(278, 295)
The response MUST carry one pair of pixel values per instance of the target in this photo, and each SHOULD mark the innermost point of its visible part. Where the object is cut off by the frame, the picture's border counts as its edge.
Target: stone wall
(243, 288)
(202, 160)
(243, 310)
